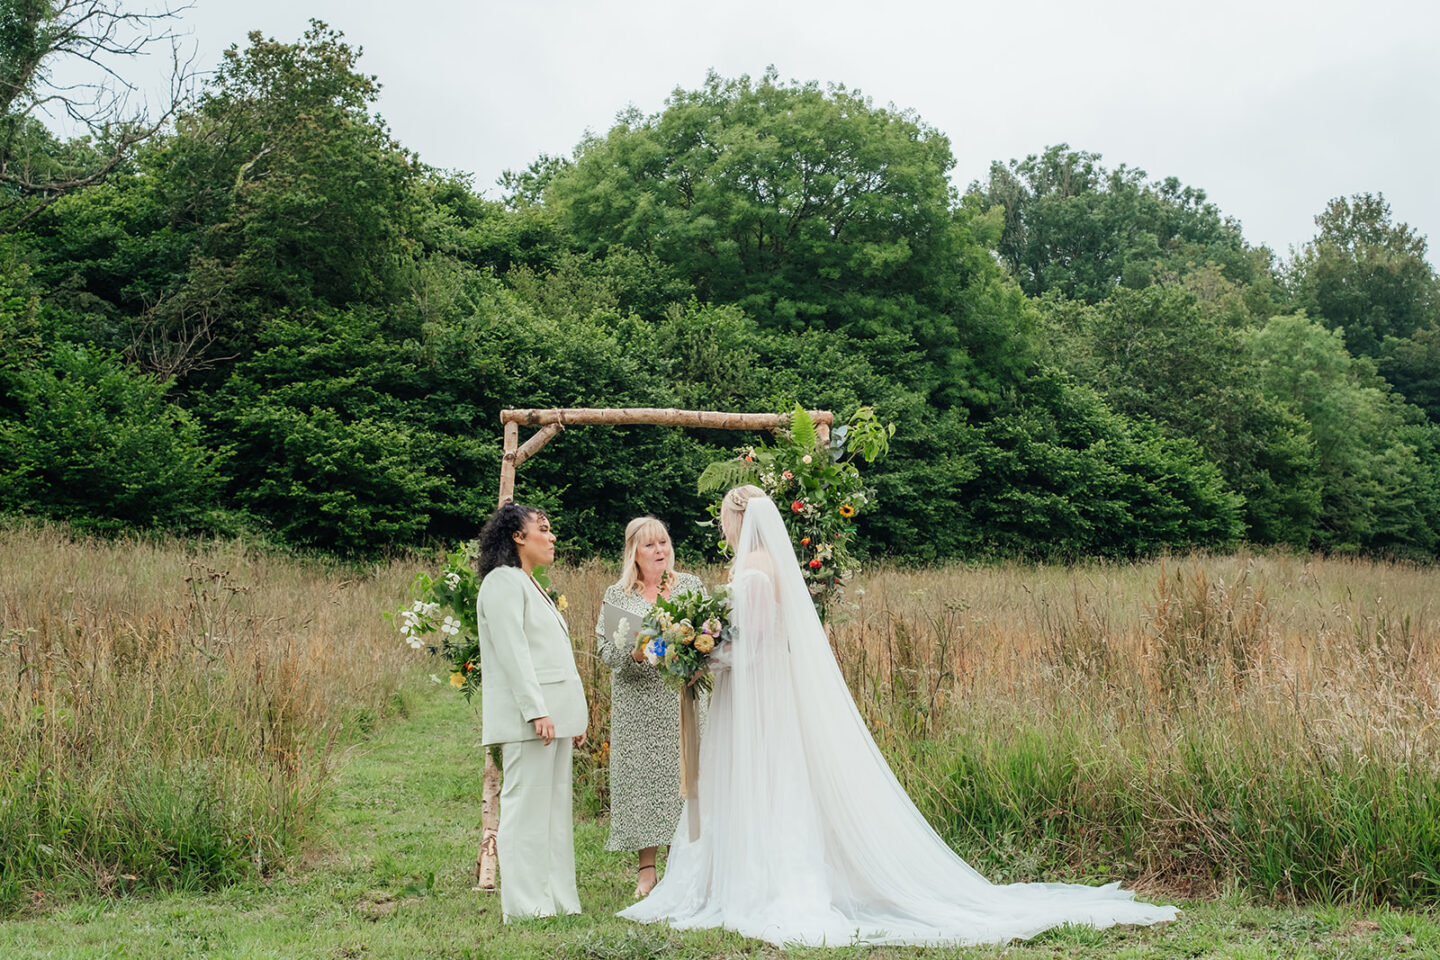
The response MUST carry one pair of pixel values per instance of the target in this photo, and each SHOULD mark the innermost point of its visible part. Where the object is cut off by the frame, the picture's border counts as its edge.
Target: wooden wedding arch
(551, 422)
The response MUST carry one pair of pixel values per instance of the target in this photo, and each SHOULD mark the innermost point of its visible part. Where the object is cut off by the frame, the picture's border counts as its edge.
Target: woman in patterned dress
(644, 713)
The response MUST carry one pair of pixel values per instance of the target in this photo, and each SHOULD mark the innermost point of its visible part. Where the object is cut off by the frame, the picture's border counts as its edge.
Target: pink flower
(797, 506)
(805, 459)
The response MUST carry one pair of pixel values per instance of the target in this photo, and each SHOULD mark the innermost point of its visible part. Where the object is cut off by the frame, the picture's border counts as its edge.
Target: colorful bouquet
(679, 635)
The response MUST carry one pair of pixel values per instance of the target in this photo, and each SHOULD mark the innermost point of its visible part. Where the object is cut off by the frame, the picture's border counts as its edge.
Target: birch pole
(551, 422)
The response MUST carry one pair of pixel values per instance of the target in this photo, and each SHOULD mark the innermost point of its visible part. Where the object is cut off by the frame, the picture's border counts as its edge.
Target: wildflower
(452, 580)
(846, 510)
(562, 604)
(788, 475)
(469, 666)
(805, 459)
(815, 564)
(797, 506)
(450, 627)
(804, 541)
(457, 680)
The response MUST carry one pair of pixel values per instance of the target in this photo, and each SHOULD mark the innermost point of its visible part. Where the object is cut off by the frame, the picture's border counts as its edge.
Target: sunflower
(846, 510)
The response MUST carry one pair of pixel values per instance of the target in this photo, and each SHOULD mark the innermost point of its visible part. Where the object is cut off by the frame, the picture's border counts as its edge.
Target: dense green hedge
(275, 317)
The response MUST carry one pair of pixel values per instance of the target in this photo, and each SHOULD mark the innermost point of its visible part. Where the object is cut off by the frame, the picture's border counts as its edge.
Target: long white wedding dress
(806, 837)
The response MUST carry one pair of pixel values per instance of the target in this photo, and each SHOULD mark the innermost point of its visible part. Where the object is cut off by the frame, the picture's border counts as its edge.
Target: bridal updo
(732, 511)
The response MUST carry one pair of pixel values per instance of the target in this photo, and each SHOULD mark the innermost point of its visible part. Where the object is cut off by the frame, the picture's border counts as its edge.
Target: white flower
(452, 580)
(650, 656)
(435, 679)
(451, 626)
(621, 629)
(415, 643)
(430, 609)
(418, 606)
(805, 459)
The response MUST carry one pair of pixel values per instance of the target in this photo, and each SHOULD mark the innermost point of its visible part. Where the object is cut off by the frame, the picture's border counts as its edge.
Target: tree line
(267, 317)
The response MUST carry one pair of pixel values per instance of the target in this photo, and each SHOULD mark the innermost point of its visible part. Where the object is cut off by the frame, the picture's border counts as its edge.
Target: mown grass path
(404, 806)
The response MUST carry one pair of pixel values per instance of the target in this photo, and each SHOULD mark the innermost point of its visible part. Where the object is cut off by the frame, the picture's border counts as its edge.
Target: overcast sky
(1271, 106)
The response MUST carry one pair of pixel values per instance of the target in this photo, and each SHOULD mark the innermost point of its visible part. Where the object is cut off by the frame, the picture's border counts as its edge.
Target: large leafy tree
(809, 208)
(1072, 226)
(1164, 354)
(1366, 275)
(279, 190)
(1376, 465)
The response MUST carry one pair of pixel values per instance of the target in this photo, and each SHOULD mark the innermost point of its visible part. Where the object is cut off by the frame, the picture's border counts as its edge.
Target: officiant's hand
(637, 655)
(578, 740)
(544, 729)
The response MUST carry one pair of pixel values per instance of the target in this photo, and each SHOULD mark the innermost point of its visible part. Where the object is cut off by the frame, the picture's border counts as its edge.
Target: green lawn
(404, 806)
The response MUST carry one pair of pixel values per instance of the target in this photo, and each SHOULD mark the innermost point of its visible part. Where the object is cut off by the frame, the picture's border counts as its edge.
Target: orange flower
(804, 541)
(846, 510)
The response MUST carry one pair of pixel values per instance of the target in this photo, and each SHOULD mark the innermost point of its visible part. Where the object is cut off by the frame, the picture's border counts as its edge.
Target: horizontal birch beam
(660, 416)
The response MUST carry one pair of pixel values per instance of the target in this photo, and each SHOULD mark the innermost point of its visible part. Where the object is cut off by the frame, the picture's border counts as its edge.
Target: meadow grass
(168, 710)
(1193, 725)
(1187, 723)
(387, 876)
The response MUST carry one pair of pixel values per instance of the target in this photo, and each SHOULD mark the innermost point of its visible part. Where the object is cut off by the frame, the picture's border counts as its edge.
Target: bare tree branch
(36, 38)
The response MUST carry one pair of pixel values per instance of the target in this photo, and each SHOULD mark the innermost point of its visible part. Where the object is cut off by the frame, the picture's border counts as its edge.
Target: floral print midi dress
(644, 736)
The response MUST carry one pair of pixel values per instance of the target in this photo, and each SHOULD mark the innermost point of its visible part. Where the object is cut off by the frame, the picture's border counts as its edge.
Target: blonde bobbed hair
(637, 532)
(732, 510)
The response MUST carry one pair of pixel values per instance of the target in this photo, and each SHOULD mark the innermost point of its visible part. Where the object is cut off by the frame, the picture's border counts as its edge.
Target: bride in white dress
(805, 834)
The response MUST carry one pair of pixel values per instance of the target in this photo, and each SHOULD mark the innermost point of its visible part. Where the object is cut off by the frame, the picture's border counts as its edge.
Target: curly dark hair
(497, 538)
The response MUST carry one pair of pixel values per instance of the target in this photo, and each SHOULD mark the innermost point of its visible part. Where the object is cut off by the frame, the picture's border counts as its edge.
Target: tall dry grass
(168, 710)
(1188, 723)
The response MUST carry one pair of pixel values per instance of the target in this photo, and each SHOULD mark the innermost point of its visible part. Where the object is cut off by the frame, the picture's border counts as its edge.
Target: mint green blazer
(527, 665)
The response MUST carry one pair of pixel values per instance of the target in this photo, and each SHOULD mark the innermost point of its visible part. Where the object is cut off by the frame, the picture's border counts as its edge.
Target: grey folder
(612, 618)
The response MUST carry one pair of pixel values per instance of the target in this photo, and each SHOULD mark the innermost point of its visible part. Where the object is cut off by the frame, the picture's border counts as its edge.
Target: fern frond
(724, 474)
(802, 428)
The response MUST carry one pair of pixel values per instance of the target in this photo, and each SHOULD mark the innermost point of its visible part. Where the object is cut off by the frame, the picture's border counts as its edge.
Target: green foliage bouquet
(679, 634)
(819, 490)
(441, 619)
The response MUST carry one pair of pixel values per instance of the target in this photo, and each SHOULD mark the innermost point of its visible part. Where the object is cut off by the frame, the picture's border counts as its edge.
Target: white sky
(1271, 106)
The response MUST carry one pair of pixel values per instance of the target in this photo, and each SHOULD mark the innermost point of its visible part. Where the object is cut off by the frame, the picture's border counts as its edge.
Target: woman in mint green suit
(533, 706)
